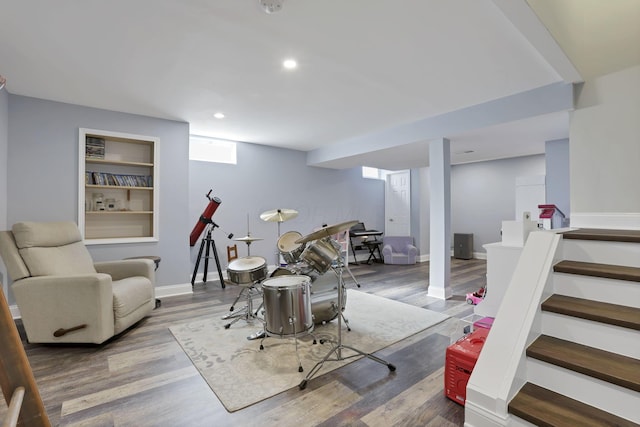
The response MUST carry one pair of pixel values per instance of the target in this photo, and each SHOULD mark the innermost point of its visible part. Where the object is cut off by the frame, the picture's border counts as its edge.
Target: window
(374, 173)
(212, 150)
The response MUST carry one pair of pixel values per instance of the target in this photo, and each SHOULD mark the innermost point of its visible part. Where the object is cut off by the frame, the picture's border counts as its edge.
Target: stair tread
(608, 271)
(614, 368)
(612, 314)
(544, 407)
(603, 234)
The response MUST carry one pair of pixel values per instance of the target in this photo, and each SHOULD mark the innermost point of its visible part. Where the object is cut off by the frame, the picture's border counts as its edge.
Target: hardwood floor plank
(98, 398)
(409, 400)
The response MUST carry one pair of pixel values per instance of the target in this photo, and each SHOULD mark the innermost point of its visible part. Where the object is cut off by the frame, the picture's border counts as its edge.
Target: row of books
(102, 178)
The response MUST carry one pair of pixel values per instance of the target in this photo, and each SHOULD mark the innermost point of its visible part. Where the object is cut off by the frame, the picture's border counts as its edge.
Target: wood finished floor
(143, 378)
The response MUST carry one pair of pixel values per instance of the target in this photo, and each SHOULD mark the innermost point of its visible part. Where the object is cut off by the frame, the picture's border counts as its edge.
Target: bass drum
(324, 298)
(247, 270)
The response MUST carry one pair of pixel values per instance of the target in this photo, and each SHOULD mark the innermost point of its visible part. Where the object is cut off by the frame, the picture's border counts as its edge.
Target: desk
(362, 233)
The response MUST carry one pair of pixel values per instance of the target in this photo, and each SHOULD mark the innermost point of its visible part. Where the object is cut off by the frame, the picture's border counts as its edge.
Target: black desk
(363, 233)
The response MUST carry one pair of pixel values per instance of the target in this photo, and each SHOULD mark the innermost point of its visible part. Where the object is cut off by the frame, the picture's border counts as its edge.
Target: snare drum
(320, 254)
(287, 306)
(247, 270)
(288, 247)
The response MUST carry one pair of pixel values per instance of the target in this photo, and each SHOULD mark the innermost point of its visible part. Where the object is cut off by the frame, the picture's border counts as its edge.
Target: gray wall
(484, 194)
(557, 185)
(43, 174)
(267, 178)
(4, 144)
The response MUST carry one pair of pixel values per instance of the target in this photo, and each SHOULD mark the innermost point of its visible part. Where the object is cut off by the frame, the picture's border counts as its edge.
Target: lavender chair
(399, 250)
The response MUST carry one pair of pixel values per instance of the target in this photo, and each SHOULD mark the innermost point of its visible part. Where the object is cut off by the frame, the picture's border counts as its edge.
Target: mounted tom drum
(320, 254)
(289, 249)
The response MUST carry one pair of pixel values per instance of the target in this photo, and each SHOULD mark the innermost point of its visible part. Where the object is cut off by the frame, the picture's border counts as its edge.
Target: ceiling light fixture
(271, 6)
(219, 115)
(290, 64)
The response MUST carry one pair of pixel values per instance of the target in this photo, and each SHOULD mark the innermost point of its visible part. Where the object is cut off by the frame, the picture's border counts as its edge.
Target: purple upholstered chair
(399, 250)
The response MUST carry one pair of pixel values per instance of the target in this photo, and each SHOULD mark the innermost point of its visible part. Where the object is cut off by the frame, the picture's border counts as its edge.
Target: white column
(440, 222)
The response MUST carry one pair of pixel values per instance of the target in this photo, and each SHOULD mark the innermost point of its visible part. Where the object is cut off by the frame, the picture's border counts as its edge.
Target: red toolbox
(461, 357)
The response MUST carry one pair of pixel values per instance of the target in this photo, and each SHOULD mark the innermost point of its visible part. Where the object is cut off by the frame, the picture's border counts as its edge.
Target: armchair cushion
(399, 250)
(52, 249)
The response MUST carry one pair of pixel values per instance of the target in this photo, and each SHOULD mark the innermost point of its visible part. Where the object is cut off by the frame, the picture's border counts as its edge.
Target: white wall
(605, 151)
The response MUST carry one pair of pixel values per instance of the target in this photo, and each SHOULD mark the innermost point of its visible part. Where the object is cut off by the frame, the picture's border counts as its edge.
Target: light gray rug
(241, 374)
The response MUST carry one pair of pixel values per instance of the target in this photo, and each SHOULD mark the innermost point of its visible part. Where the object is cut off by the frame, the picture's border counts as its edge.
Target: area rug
(241, 374)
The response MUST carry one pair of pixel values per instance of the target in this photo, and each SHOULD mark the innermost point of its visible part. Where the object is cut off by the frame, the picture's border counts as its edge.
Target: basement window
(214, 150)
(374, 173)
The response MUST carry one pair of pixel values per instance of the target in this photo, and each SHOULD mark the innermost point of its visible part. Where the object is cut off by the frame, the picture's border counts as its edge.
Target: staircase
(584, 369)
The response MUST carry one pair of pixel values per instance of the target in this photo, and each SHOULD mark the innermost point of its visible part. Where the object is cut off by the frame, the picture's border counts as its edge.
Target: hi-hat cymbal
(327, 231)
(248, 239)
(278, 215)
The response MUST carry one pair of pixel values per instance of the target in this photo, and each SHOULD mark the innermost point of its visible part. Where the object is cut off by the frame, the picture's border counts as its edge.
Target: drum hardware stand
(210, 245)
(245, 312)
(337, 349)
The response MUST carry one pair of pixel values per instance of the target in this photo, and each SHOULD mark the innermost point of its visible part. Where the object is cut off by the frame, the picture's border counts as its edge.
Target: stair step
(610, 367)
(607, 271)
(544, 407)
(612, 314)
(603, 234)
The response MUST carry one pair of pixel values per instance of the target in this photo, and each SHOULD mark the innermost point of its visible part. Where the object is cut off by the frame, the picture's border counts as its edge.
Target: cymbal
(248, 239)
(279, 215)
(327, 231)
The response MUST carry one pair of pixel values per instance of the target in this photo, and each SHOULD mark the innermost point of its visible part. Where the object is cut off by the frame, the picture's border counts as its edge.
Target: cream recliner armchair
(62, 295)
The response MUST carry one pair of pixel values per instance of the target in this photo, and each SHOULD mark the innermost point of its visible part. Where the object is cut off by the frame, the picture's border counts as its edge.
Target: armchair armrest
(412, 250)
(49, 303)
(387, 250)
(122, 269)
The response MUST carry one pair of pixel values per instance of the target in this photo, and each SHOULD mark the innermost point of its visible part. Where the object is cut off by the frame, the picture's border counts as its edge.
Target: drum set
(299, 296)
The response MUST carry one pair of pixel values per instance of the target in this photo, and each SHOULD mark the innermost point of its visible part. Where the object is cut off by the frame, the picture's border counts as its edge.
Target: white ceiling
(364, 65)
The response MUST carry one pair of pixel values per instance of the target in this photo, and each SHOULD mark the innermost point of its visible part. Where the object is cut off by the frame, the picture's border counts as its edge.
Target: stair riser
(611, 291)
(610, 338)
(616, 253)
(600, 394)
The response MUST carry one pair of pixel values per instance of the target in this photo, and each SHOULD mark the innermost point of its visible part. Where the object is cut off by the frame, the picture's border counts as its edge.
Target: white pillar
(440, 222)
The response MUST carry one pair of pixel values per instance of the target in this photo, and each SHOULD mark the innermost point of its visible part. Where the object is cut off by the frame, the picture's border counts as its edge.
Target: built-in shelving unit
(118, 187)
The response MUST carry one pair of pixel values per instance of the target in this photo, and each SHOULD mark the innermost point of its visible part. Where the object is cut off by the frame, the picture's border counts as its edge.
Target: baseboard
(610, 220)
(173, 290)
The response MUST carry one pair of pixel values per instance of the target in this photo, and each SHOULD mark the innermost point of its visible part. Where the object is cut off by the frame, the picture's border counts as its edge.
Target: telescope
(204, 219)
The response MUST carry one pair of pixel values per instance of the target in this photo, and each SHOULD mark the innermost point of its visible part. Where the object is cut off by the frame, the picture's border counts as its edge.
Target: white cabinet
(118, 187)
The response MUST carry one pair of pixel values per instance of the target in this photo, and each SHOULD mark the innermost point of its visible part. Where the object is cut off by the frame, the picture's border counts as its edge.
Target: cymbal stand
(337, 349)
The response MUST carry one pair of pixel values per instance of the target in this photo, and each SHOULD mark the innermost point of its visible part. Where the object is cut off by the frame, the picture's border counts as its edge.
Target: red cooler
(461, 357)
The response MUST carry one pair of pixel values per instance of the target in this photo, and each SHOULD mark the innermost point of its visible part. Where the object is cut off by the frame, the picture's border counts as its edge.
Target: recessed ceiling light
(290, 64)
(219, 115)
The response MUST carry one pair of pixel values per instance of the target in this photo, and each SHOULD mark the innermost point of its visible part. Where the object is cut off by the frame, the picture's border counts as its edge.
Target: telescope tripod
(207, 245)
